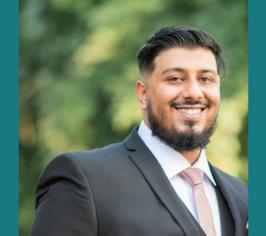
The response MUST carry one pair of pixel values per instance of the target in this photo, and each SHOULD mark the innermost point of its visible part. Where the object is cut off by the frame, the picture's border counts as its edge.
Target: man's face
(181, 97)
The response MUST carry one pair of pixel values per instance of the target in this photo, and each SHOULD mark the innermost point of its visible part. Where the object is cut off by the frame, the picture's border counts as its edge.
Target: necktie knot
(193, 175)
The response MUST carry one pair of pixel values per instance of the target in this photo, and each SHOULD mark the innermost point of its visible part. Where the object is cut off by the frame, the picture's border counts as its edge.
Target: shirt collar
(170, 160)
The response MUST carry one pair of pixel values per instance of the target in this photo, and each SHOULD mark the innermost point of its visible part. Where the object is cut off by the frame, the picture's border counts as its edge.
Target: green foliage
(78, 71)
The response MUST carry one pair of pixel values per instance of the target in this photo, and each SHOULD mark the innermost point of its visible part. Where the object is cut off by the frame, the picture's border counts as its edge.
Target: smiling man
(157, 181)
(180, 97)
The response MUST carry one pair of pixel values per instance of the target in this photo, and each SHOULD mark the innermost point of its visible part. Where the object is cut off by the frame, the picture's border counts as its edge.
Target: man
(146, 185)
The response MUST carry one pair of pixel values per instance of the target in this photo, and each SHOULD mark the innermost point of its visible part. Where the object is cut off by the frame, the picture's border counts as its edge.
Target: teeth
(190, 111)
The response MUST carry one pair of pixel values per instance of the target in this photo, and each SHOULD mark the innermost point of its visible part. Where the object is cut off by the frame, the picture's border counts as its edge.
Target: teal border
(9, 117)
(257, 116)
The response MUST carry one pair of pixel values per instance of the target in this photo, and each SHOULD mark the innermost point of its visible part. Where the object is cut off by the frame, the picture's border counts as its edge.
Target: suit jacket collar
(154, 175)
(160, 185)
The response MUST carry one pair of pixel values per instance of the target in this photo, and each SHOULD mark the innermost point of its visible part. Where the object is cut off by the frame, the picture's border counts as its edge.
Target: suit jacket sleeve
(64, 201)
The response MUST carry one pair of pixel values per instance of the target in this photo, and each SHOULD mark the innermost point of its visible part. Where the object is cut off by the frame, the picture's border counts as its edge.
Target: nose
(192, 90)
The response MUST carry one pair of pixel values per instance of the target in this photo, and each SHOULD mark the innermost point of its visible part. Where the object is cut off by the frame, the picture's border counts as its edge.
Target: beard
(180, 141)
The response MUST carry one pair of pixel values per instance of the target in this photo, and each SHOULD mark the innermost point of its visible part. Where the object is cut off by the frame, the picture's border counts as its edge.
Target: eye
(209, 78)
(175, 79)
(205, 79)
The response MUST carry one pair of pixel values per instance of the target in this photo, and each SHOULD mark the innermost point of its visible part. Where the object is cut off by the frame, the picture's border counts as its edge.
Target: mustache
(186, 102)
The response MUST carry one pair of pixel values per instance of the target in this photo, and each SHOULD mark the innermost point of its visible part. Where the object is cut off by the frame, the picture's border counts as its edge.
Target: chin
(194, 129)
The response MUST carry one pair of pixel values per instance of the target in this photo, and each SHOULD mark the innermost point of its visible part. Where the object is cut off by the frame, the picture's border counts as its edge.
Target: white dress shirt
(172, 162)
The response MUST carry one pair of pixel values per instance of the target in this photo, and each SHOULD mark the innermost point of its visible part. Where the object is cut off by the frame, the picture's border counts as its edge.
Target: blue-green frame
(9, 117)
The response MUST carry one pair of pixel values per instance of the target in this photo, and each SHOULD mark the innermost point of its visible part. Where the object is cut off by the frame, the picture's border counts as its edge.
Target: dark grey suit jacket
(121, 190)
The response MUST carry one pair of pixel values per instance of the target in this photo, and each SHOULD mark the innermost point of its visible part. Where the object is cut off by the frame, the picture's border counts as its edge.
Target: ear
(141, 92)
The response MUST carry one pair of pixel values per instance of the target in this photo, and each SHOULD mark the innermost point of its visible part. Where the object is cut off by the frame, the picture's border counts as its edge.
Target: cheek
(165, 94)
(213, 95)
(216, 99)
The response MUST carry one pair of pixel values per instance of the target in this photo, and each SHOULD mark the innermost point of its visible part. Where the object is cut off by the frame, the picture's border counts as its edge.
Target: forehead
(188, 59)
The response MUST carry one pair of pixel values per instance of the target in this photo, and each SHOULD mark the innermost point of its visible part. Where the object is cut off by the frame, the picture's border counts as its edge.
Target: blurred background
(78, 70)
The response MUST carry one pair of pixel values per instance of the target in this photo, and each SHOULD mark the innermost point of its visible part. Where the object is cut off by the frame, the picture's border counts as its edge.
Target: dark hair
(182, 36)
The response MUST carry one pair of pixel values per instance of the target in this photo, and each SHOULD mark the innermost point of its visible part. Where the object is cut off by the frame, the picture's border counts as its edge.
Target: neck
(192, 155)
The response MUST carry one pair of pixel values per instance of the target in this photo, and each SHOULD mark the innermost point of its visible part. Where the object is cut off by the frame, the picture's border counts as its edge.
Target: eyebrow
(177, 69)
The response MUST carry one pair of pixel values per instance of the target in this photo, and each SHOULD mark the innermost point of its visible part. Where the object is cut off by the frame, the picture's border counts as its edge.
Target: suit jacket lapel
(226, 189)
(154, 175)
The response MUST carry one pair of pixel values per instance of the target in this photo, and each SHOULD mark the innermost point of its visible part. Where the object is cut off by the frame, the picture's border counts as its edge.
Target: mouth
(190, 110)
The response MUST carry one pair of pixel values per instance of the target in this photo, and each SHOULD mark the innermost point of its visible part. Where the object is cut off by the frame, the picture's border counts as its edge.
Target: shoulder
(234, 189)
(77, 164)
(74, 169)
(229, 179)
(234, 186)
(76, 160)
(97, 153)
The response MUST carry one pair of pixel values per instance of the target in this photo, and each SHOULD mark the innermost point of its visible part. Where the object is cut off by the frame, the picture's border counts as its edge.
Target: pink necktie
(194, 177)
